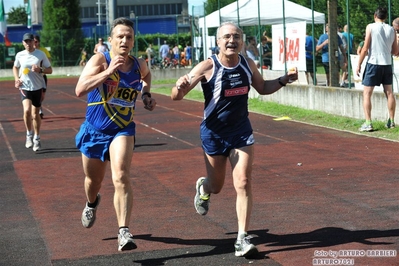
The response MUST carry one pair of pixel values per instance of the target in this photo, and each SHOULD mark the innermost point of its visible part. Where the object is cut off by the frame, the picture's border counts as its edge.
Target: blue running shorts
(375, 75)
(222, 146)
(95, 144)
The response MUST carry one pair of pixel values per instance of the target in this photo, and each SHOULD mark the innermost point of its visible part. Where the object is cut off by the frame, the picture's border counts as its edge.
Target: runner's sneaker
(201, 203)
(390, 124)
(36, 145)
(89, 214)
(29, 141)
(244, 247)
(366, 128)
(125, 240)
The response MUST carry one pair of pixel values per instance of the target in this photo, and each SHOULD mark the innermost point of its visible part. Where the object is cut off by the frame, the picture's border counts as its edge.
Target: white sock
(241, 235)
(36, 137)
(202, 191)
(29, 133)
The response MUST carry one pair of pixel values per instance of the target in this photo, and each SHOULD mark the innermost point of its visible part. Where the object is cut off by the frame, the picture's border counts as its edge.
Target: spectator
(266, 52)
(380, 44)
(348, 39)
(163, 50)
(322, 46)
(309, 43)
(252, 51)
(100, 47)
(187, 54)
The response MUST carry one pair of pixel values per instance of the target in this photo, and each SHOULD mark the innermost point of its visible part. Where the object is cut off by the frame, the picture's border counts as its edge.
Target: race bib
(125, 97)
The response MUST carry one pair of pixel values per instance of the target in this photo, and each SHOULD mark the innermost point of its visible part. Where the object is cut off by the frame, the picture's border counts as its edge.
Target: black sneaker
(390, 124)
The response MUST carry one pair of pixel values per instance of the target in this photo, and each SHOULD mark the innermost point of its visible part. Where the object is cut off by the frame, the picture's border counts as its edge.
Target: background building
(155, 16)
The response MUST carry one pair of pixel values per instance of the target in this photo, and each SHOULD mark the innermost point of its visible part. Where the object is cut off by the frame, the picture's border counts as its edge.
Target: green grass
(312, 117)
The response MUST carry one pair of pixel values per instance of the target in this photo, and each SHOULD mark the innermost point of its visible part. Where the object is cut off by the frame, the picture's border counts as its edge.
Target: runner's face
(29, 45)
(229, 40)
(122, 40)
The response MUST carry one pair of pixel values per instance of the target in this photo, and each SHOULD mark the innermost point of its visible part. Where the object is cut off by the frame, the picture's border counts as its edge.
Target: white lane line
(14, 158)
(166, 134)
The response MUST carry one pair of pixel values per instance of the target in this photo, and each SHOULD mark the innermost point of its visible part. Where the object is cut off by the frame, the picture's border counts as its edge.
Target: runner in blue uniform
(112, 81)
(226, 131)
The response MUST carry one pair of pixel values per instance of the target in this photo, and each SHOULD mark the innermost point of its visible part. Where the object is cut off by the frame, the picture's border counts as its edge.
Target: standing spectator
(348, 39)
(29, 67)
(150, 54)
(322, 45)
(163, 50)
(380, 44)
(176, 52)
(47, 53)
(226, 131)
(187, 53)
(252, 51)
(266, 52)
(83, 57)
(112, 86)
(361, 44)
(309, 42)
(100, 47)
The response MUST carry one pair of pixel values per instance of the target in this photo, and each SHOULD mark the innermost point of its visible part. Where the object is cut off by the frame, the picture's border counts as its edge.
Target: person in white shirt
(29, 67)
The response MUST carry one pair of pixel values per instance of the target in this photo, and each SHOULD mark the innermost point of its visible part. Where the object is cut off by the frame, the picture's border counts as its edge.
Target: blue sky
(16, 3)
(8, 4)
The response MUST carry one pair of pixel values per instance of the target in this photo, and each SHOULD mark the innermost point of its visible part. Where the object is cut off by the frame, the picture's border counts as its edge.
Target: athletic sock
(205, 195)
(94, 204)
(241, 235)
(123, 227)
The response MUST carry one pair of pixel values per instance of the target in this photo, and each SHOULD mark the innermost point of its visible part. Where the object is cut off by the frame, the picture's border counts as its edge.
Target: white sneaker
(29, 141)
(36, 145)
(125, 240)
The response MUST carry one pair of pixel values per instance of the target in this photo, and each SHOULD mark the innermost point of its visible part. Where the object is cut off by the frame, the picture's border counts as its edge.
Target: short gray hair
(228, 23)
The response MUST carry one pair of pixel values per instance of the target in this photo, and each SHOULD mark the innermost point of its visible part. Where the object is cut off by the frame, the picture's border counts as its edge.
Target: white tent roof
(271, 12)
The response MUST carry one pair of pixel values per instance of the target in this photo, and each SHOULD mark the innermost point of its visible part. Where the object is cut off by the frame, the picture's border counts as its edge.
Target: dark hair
(121, 21)
(37, 37)
(381, 13)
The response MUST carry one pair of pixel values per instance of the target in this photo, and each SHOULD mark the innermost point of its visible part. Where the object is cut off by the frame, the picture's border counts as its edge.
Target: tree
(358, 12)
(17, 15)
(62, 31)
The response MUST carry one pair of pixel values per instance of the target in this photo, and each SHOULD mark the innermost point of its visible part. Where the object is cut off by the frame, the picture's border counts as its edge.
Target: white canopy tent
(245, 13)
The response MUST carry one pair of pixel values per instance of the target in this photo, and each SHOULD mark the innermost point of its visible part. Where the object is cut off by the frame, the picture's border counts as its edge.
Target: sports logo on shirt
(236, 91)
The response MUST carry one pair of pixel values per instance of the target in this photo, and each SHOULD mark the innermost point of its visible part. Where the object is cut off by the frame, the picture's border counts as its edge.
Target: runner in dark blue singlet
(226, 132)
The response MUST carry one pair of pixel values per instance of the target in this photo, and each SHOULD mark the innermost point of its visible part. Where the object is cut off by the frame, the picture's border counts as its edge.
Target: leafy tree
(358, 12)
(62, 31)
(17, 15)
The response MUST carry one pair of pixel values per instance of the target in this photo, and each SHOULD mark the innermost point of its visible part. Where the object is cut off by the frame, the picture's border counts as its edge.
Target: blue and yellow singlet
(111, 106)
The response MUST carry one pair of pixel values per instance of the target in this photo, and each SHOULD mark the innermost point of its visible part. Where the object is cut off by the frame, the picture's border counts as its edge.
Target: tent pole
(259, 40)
(313, 47)
(285, 47)
(238, 13)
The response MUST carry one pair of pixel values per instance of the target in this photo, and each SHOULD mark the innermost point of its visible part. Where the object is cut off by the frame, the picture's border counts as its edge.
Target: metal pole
(347, 45)
(313, 47)
(259, 39)
(285, 47)
(219, 12)
(238, 13)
